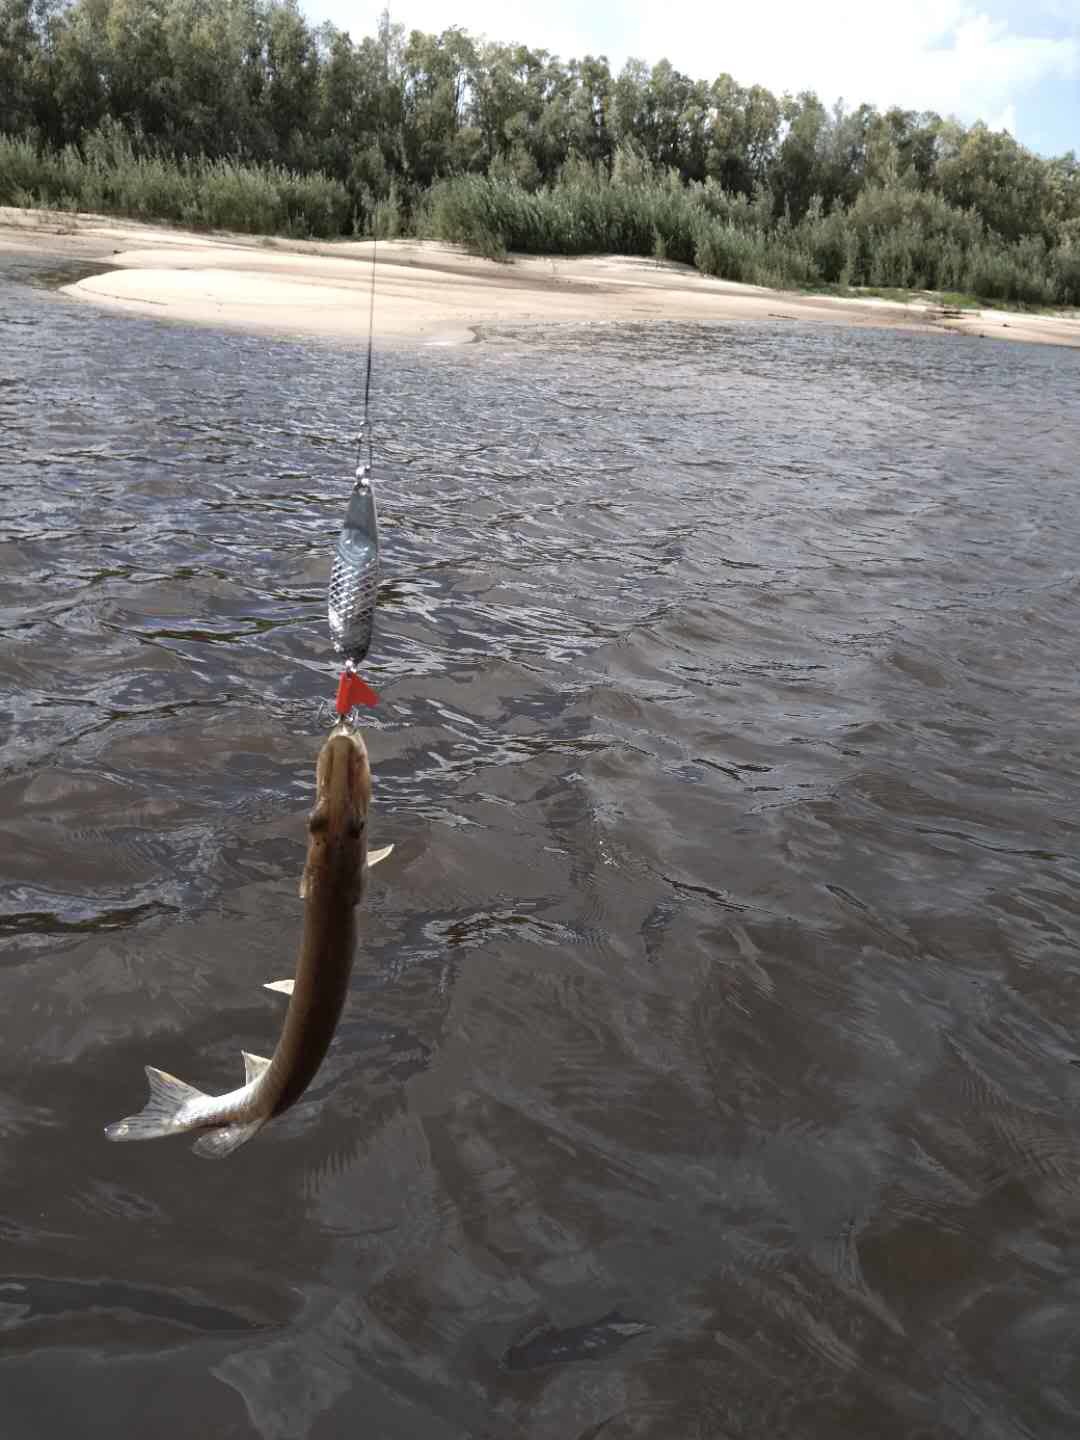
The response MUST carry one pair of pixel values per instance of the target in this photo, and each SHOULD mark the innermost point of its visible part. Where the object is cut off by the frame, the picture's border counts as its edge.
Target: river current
(711, 1067)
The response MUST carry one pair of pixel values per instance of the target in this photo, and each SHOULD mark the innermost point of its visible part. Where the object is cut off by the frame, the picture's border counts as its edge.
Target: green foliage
(108, 174)
(388, 215)
(888, 239)
(242, 114)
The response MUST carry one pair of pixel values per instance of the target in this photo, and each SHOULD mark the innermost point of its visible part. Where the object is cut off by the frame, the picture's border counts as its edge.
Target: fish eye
(319, 823)
(354, 829)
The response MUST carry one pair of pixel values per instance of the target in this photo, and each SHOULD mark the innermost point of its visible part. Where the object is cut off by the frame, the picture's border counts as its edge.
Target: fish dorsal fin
(254, 1067)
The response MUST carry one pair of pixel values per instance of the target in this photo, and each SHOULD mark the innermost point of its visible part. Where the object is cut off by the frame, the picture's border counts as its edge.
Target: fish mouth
(344, 772)
(347, 732)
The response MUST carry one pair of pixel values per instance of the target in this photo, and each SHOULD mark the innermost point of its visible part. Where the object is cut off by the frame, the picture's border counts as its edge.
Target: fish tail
(163, 1112)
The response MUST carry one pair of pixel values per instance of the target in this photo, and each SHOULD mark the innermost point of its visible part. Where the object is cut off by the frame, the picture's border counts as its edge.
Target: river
(710, 1068)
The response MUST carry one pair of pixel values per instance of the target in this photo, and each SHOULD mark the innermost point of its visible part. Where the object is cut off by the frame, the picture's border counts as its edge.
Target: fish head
(338, 823)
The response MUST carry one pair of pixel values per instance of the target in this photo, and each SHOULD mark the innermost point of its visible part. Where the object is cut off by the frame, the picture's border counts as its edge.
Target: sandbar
(434, 294)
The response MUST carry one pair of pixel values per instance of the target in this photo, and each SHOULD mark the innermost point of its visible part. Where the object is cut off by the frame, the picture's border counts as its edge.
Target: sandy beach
(430, 293)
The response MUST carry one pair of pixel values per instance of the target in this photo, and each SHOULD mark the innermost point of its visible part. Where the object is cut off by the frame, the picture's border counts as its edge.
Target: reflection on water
(709, 1067)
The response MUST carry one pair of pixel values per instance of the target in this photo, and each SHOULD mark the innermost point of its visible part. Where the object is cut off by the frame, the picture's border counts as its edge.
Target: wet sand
(430, 292)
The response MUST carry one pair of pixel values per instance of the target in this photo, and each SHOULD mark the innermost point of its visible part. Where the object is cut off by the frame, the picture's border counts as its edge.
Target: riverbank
(433, 293)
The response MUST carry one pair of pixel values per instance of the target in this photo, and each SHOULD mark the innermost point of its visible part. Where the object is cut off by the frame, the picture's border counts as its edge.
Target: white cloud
(1005, 121)
(939, 55)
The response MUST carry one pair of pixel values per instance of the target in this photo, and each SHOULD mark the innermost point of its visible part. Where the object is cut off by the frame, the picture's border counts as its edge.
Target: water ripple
(722, 983)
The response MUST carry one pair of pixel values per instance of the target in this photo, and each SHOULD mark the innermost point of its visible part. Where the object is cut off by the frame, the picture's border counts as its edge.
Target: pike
(333, 884)
(334, 876)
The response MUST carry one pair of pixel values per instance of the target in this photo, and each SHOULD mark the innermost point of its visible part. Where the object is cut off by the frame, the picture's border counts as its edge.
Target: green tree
(19, 46)
(438, 138)
(292, 84)
(798, 172)
(589, 109)
(989, 172)
(743, 135)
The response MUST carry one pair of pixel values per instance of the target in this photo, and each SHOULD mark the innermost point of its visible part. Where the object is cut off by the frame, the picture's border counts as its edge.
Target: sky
(1015, 65)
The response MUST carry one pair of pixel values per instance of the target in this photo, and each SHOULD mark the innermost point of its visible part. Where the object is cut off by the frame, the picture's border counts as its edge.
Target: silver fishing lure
(354, 575)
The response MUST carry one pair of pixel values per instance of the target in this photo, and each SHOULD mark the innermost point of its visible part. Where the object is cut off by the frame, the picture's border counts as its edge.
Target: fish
(374, 857)
(333, 883)
(354, 574)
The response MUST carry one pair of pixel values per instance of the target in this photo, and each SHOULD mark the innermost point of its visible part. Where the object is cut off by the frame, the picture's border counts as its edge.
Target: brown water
(710, 1067)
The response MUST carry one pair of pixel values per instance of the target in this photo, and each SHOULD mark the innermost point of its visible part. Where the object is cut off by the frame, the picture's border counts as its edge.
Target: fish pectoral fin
(373, 858)
(284, 987)
(160, 1116)
(254, 1067)
(216, 1144)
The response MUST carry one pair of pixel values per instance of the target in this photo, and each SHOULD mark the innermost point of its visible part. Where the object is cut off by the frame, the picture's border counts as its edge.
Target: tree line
(243, 112)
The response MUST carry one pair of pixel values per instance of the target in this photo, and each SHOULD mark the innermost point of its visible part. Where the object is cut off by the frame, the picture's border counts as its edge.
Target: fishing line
(365, 429)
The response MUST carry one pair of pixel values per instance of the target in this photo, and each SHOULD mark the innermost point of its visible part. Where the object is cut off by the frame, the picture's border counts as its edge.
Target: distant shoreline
(432, 293)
